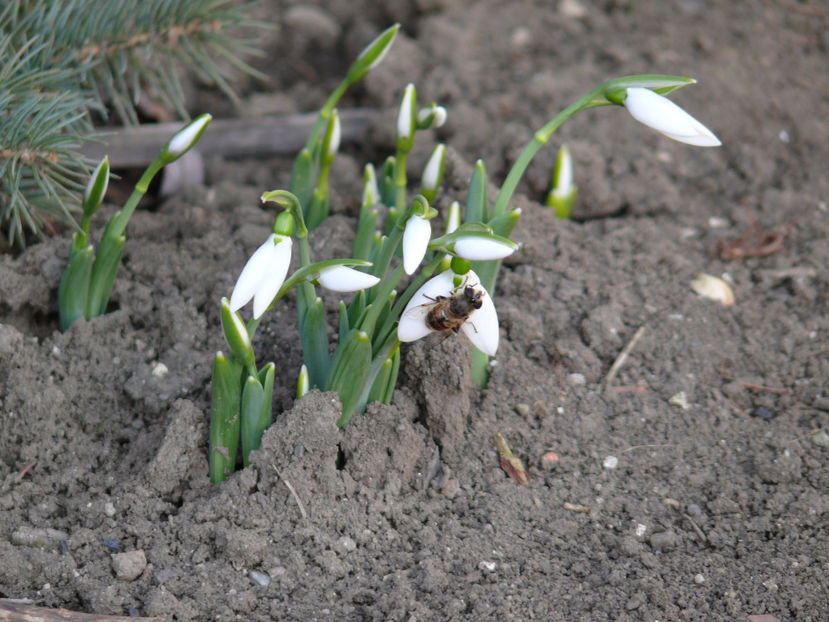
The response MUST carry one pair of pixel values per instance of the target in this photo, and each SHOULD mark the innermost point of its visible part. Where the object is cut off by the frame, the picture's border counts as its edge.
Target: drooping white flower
(344, 279)
(476, 248)
(263, 275)
(416, 238)
(661, 114)
(481, 326)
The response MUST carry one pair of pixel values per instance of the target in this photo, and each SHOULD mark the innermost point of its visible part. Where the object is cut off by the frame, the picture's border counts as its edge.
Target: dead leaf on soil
(511, 465)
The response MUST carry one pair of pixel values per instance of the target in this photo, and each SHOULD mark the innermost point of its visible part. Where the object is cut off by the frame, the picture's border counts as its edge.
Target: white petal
(345, 279)
(416, 237)
(186, 137)
(404, 117)
(252, 275)
(564, 174)
(482, 326)
(412, 324)
(663, 115)
(279, 260)
(431, 172)
(481, 249)
(453, 219)
(440, 116)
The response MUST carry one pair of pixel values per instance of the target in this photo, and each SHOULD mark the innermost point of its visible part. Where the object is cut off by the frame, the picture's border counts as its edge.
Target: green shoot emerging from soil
(393, 241)
(87, 281)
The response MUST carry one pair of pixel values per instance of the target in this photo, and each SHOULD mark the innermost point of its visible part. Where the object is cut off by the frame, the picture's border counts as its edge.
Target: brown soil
(717, 506)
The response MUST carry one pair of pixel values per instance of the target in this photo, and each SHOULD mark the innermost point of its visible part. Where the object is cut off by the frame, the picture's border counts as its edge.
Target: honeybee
(448, 313)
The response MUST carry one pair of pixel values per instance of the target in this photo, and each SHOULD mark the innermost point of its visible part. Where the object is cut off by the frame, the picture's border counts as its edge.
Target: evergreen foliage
(61, 60)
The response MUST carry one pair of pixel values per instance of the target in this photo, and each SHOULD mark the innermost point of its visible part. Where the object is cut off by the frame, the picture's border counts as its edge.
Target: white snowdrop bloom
(432, 170)
(263, 275)
(440, 116)
(437, 114)
(476, 248)
(344, 279)
(453, 219)
(440, 306)
(661, 114)
(405, 117)
(187, 136)
(416, 238)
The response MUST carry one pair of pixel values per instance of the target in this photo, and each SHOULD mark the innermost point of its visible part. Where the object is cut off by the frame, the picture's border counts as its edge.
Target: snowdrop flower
(372, 54)
(431, 116)
(664, 116)
(263, 275)
(344, 279)
(416, 238)
(475, 248)
(186, 137)
(480, 325)
(406, 115)
(433, 173)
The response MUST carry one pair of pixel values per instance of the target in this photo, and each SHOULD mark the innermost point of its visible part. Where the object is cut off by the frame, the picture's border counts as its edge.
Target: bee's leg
(473, 325)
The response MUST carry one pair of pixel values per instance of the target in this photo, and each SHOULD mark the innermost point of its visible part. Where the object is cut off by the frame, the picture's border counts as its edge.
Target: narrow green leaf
(317, 208)
(302, 178)
(349, 371)
(477, 206)
(74, 286)
(364, 240)
(253, 398)
(315, 343)
(225, 420)
(104, 270)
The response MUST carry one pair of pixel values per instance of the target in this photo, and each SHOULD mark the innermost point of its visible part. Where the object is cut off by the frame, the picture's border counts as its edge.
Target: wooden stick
(231, 138)
(12, 611)
(623, 357)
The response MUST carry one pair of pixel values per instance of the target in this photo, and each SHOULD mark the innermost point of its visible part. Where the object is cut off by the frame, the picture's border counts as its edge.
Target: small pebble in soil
(761, 412)
(159, 370)
(699, 579)
(576, 380)
(522, 409)
(109, 509)
(550, 460)
(821, 439)
(694, 510)
(610, 462)
(663, 540)
(487, 566)
(37, 537)
(679, 399)
(260, 578)
(129, 566)
(640, 530)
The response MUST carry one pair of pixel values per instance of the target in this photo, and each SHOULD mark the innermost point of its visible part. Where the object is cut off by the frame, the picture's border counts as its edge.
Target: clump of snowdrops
(409, 282)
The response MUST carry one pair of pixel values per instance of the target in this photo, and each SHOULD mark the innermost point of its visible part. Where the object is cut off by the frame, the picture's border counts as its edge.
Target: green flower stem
(119, 221)
(606, 94)
(325, 112)
(384, 290)
(400, 181)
